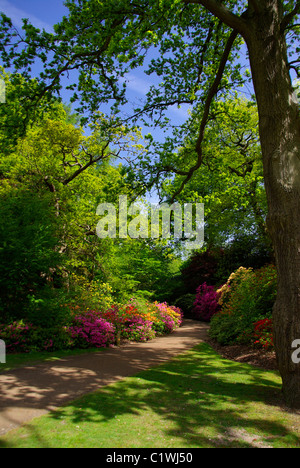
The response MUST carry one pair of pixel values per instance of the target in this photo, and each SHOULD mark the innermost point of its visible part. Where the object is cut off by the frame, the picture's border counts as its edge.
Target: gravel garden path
(31, 391)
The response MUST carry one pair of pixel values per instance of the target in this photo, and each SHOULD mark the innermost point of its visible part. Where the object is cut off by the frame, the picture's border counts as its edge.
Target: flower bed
(134, 321)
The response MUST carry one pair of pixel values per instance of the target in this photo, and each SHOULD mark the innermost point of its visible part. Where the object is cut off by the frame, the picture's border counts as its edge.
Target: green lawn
(196, 400)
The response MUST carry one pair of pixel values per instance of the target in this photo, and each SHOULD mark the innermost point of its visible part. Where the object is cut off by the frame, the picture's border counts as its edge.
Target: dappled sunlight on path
(31, 391)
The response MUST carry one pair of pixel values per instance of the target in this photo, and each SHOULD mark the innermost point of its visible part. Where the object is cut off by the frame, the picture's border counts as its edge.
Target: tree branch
(290, 16)
(93, 160)
(211, 94)
(232, 20)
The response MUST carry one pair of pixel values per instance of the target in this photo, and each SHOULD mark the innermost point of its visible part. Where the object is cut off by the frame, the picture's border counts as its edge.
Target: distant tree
(230, 179)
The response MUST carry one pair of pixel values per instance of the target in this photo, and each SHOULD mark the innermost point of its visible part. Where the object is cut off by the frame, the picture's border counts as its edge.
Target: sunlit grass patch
(198, 399)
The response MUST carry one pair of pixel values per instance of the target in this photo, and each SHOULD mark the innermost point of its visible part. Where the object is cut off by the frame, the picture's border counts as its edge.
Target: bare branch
(92, 160)
(244, 168)
(292, 26)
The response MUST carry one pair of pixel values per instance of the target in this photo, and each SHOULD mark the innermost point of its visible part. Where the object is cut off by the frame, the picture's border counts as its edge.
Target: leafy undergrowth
(199, 399)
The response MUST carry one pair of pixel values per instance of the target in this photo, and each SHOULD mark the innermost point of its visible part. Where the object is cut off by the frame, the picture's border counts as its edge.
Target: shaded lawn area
(197, 400)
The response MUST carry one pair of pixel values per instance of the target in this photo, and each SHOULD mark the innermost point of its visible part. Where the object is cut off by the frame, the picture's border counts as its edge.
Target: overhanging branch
(211, 94)
(219, 10)
(290, 16)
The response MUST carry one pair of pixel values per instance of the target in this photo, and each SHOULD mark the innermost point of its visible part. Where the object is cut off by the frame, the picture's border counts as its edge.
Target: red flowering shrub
(115, 315)
(206, 303)
(263, 333)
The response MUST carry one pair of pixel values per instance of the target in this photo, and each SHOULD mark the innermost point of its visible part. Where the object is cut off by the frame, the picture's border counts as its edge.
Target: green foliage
(140, 267)
(247, 297)
(89, 294)
(104, 55)
(16, 116)
(186, 304)
(21, 337)
(250, 251)
(52, 180)
(230, 179)
(47, 308)
(49, 339)
(28, 248)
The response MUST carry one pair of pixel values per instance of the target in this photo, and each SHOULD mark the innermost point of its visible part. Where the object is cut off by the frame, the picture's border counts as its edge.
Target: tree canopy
(98, 44)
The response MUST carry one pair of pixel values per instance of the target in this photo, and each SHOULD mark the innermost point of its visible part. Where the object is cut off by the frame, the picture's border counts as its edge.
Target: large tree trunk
(280, 140)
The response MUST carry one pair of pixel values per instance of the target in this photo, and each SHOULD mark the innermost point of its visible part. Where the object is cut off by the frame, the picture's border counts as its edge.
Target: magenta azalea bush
(91, 330)
(206, 303)
(168, 322)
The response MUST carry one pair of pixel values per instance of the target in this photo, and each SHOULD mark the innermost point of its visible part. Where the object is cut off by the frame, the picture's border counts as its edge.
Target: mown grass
(197, 400)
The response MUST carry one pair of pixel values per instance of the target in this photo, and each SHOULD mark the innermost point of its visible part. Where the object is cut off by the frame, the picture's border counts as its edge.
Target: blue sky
(45, 13)
(41, 13)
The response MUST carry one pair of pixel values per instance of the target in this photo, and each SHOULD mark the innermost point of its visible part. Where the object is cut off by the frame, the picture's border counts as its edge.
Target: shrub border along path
(33, 390)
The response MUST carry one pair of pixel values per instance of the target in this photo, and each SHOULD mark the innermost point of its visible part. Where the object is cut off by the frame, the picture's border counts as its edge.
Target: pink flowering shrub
(206, 304)
(16, 337)
(166, 324)
(138, 329)
(169, 318)
(91, 330)
(24, 338)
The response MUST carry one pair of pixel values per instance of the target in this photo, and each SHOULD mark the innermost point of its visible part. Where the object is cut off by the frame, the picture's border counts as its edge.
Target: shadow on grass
(199, 399)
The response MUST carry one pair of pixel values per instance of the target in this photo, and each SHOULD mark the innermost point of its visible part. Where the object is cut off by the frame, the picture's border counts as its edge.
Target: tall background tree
(52, 178)
(197, 43)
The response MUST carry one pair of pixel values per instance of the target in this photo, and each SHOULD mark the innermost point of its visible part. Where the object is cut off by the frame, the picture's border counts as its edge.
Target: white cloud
(141, 86)
(16, 14)
(136, 84)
